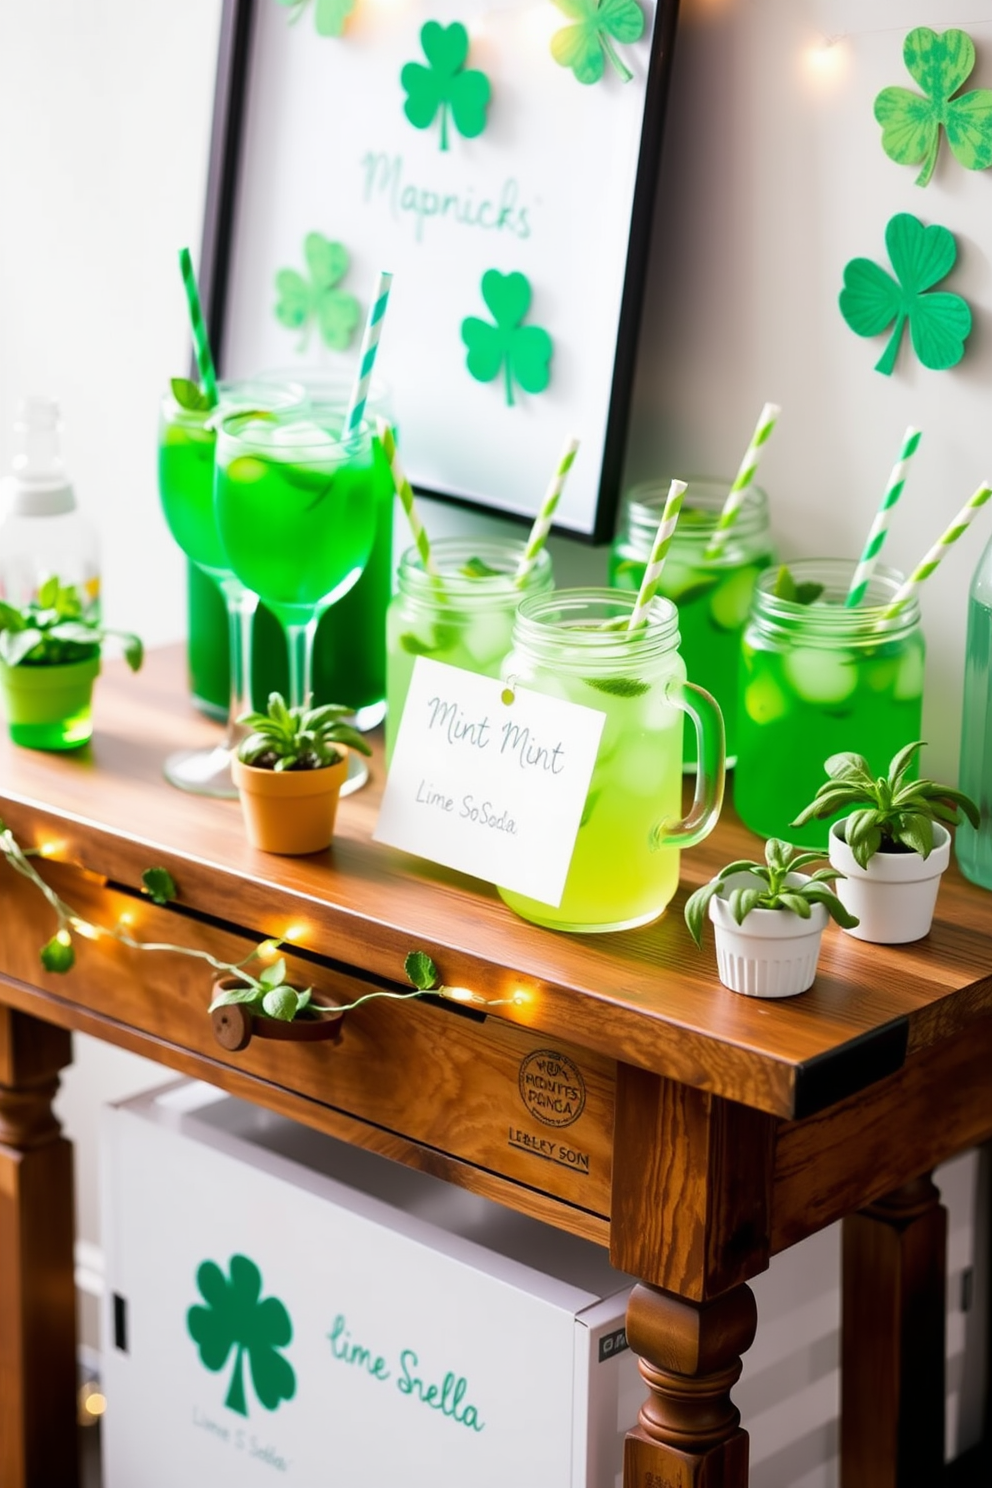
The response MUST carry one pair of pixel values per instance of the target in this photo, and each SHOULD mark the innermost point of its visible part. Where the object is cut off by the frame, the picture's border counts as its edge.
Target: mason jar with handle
(573, 644)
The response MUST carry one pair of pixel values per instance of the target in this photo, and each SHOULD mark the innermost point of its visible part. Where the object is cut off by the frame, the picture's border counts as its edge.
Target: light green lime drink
(464, 619)
(625, 867)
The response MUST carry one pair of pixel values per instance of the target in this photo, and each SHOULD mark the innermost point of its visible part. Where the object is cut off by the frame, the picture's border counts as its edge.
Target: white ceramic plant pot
(894, 897)
(774, 952)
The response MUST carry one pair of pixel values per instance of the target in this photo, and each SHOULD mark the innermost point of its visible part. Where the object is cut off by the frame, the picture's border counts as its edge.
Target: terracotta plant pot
(895, 896)
(48, 707)
(235, 1026)
(290, 811)
(773, 953)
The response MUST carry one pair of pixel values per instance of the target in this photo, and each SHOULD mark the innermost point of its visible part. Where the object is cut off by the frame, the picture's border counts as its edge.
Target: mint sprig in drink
(818, 679)
(297, 517)
(462, 616)
(625, 866)
(713, 593)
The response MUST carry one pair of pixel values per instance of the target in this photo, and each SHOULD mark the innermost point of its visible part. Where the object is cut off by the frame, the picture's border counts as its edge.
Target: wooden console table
(628, 1097)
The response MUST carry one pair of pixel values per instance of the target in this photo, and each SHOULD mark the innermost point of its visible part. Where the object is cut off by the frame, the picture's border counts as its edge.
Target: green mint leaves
(421, 971)
(940, 62)
(478, 568)
(159, 885)
(872, 299)
(445, 85)
(785, 587)
(523, 352)
(585, 44)
(54, 630)
(303, 302)
(190, 395)
(237, 1317)
(329, 16)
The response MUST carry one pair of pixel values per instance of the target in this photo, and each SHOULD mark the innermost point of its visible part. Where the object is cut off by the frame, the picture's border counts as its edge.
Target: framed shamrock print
(499, 159)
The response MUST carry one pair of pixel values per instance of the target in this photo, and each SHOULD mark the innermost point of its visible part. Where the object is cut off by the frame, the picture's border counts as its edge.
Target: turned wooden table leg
(892, 1367)
(688, 1433)
(37, 1295)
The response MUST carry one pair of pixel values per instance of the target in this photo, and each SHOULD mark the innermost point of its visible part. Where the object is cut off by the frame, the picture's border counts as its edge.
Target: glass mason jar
(974, 847)
(462, 620)
(713, 594)
(817, 680)
(625, 867)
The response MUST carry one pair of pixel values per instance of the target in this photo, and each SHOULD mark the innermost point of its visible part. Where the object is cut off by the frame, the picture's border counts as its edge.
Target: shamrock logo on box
(523, 352)
(445, 84)
(236, 1316)
(939, 323)
(940, 62)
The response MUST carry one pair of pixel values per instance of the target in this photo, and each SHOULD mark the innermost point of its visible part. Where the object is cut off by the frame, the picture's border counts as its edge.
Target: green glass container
(49, 707)
(713, 595)
(817, 680)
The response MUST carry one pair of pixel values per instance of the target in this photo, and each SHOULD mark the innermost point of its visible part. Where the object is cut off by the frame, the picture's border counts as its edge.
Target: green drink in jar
(713, 593)
(463, 618)
(625, 866)
(817, 679)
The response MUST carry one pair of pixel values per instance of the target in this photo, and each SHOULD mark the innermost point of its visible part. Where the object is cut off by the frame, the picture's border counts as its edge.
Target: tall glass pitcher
(625, 867)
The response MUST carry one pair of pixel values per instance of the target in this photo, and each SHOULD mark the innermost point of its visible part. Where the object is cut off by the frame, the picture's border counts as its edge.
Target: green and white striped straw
(743, 479)
(926, 566)
(659, 552)
(542, 522)
(370, 346)
(201, 341)
(405, 492)
(880, 526)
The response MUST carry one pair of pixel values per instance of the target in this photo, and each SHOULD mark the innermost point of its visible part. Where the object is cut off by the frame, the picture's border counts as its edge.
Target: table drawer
(472, 1086)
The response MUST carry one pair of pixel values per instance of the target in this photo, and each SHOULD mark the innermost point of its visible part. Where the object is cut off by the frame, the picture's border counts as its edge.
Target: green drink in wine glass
(296, 512)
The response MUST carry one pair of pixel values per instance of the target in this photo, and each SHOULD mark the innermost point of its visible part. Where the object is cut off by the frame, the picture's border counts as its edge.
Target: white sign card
(491, 787)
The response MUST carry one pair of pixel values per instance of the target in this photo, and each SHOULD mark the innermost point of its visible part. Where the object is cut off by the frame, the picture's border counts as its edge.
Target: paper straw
(201, 341)
(370, 346)
(405, 492)
(880, 526)
(926, 566)
(542, 522)
(659, 552)
(744, 478)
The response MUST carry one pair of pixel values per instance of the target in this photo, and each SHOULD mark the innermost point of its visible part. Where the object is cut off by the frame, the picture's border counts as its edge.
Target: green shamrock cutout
(235, 1317)
(302, 302)
(871, 299)
(522, 351)
(329, 15)
(583, 45)
(940, 61)
(444, 85)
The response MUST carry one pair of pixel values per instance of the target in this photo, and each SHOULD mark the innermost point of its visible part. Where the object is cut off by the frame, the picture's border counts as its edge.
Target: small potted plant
(892, 847)
(49, 659)
(767, 920)
(289, 772)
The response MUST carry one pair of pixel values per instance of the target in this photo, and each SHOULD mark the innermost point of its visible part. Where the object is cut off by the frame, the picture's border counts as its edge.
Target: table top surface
(647, 997)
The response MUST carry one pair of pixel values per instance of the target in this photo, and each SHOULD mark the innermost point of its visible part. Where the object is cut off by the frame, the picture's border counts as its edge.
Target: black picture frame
(226, 162)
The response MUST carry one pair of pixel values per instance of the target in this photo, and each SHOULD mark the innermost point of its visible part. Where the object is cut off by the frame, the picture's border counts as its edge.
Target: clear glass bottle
(625, 866)
(816, 680)
(713, 594)
(974, 848)
(43, 534)
(460, 619)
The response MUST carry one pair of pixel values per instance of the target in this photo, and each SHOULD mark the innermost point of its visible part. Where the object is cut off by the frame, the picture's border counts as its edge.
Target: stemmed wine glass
(187, 440)
(296, 513)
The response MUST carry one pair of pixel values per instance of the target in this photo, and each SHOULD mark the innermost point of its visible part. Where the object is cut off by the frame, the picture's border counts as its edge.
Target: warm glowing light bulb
(50, 849)
(294, 932)
(84, 928)
(95, 1403)
(268, 949)
(825, 57)
(126, 920)
(462, 994)
(63, 937)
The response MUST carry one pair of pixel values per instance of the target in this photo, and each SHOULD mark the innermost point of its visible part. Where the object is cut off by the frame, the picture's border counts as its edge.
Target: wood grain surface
(646, 997)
